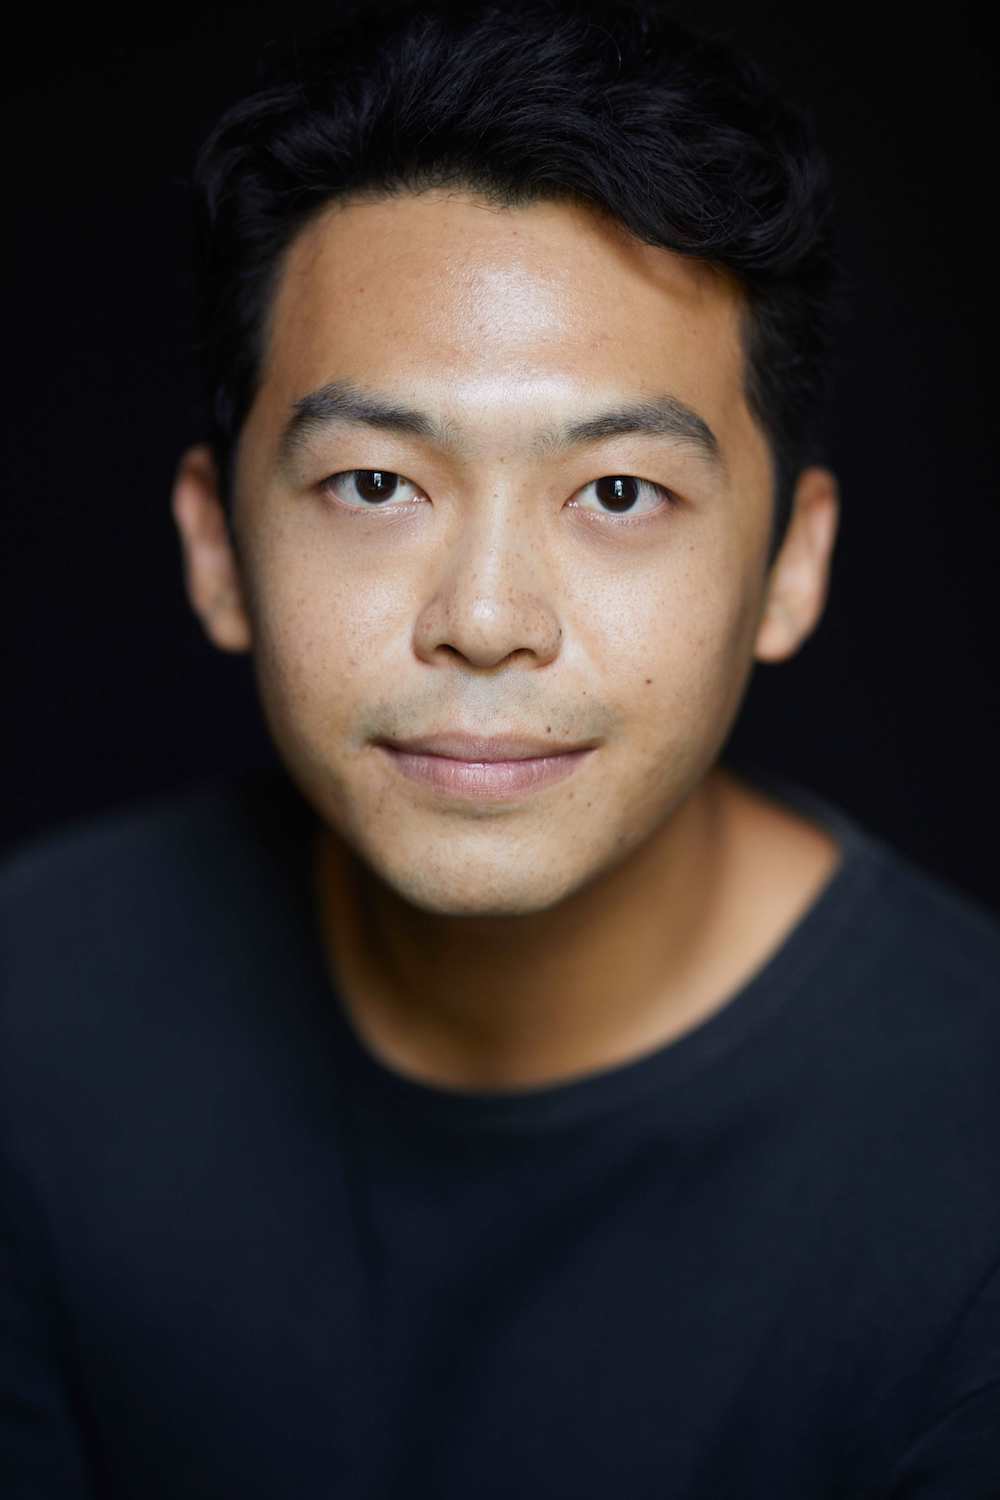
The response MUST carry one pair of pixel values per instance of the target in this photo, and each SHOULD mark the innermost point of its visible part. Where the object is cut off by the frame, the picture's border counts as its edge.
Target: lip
(480, 750)
(485, 780)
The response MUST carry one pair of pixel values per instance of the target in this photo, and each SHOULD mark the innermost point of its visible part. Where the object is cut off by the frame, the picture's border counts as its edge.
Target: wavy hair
(612, 103)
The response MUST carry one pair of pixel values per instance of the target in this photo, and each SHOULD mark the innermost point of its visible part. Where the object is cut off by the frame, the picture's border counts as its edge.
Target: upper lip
(457, 745)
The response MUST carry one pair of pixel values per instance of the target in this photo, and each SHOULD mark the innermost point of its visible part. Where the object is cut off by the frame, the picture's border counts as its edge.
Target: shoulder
(931, 939)
(920, 956)
(891, 1063)
(923, 960)
(906, 1006)
(151, 842)
(118, 904)
(892, 921)
(55, 882)
(897, 973)
(138, 952)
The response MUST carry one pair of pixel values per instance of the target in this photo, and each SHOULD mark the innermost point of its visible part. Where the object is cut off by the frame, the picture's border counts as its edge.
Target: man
(504, 1098)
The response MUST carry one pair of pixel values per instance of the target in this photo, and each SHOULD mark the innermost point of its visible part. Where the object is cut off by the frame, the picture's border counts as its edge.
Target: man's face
(499, 587)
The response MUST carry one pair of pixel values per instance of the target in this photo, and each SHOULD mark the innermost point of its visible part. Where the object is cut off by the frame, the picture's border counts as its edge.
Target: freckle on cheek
(649, 681)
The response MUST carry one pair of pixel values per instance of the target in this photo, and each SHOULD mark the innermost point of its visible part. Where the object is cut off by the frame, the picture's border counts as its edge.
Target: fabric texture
(240, 1256)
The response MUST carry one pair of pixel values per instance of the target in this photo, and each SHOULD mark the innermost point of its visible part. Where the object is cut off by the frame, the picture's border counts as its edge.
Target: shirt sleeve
(42, 1450)
(956, 1454)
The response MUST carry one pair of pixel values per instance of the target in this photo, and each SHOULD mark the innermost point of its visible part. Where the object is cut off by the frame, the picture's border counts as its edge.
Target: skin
(500, 946)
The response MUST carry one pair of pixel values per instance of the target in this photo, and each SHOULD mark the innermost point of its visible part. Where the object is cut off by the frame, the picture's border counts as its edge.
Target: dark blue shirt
(244, 1259)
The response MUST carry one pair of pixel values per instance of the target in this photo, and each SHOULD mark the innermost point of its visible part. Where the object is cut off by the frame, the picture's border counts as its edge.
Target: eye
(617, 494)
(367, 489)
(620, 494)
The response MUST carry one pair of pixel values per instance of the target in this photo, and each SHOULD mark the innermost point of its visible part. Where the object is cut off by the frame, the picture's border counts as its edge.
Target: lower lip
(488, 781)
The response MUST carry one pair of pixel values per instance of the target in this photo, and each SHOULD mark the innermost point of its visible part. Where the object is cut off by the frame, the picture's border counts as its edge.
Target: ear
(799, 578)
(211, 569)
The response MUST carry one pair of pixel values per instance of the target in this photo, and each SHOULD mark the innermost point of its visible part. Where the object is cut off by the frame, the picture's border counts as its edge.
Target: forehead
(478, 306)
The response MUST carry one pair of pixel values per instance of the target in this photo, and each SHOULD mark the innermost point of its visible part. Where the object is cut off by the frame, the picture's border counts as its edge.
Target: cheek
(676, 648)
(330, 642)
(680, 687)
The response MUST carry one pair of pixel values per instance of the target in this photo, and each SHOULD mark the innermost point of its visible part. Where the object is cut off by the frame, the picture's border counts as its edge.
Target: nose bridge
(490, 595)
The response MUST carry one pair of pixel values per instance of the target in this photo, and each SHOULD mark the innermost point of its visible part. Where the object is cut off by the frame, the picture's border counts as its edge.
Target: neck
(625, 963)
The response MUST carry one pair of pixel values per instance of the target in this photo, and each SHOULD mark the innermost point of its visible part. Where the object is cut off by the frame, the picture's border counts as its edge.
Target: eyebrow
(342, 402)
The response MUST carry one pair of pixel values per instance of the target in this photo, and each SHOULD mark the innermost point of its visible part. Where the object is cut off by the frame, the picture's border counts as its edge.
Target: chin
(450, 884)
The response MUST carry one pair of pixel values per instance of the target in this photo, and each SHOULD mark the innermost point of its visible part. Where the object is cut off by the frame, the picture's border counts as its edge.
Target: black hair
(611, 103)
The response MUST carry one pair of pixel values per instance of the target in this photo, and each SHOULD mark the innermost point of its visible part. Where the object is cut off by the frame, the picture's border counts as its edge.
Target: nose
(489, 599)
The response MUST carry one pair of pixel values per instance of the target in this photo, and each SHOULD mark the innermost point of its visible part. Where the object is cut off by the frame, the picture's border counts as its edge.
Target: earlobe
(211, 571)
(799, 580)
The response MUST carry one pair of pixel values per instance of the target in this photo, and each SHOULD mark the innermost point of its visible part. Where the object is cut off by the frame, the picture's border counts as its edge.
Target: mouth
(477, 749)
(489, 779)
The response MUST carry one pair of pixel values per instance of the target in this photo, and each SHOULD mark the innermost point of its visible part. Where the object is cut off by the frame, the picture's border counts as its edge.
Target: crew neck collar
(748, 1010)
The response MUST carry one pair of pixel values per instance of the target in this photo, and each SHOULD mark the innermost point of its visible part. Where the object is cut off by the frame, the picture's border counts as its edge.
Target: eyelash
(667, 495)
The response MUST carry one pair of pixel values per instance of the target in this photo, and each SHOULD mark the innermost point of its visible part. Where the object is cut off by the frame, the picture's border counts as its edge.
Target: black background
(892, 710)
